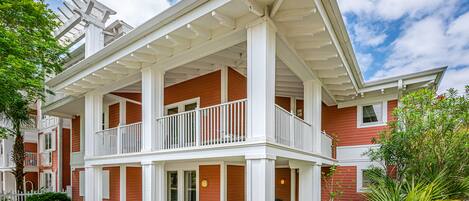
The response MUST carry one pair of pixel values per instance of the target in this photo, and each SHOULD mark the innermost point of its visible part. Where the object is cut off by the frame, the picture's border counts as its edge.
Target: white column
(152, 106)
(309, 181)
(261, 80)
(93, 120)
(312, 113)
(224, 84)
(122, 112)
(223, 186)
(94, 39)
(93, 183)
(153, 181)
(260, 178)
(122, 183)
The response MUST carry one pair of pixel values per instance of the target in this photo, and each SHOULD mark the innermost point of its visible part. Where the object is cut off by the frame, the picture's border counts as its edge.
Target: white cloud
(455, 78)
(366, 36)
(135, 12)
(389, 9)
(364, 61)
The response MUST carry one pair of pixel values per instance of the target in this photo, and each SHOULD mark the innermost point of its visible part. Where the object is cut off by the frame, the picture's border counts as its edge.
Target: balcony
(30, 159)
(46, 158)
(204, 127)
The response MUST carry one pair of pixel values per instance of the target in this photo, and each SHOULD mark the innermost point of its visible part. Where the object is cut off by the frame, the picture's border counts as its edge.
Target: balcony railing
(30, 159)
(120, 140)
(326, 144)
(219, 124)
(290, 130)
(49, 121)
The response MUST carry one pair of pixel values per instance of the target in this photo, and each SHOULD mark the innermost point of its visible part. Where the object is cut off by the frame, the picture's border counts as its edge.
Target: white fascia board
(169, 20)
(356, 102)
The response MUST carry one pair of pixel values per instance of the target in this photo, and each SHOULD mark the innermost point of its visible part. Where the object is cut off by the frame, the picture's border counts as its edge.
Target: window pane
(372, 113)
(172, 186)
(190, 186)
(365, 179)
(172, 111)
(190, 107)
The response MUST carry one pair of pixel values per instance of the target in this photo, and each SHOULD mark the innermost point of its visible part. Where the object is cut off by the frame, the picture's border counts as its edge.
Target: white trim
(384, 114)
(81, 183)
(359, 101)
(106, 183)
(123, 183)
(224, 84)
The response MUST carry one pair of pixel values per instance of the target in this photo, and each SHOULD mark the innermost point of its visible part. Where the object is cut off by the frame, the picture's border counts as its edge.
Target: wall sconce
(282, 181)
(204, 183)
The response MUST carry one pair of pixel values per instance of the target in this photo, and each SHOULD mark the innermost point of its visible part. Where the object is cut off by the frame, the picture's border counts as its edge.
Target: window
(371, 114)
(183, 106)
(190, 189)
(47, 141)
(82, 183)
(365, 179)
(105, 184)
(172, 186)
(47, 180)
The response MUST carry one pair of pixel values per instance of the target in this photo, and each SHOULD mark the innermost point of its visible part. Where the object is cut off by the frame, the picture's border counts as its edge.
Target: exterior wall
(211, 173)
(134, 183)
(113, 115)
(76, 134)
(31, 178)
(207, 87)
(30, 147)
(282, 191)
(235, 183)
(344, 181)
(114, 183)
(343, 123)
(66, 158)
(133, 113)
(76, 185)
(237, 85)
(283, 102)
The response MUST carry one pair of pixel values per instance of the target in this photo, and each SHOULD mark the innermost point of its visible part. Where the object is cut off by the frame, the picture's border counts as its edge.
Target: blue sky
(390, 37)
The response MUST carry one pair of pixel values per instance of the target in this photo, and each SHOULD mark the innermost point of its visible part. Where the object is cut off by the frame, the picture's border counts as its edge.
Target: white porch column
(122, 183)
(93, 183)
(260, 178)
(122, 112)
(309, 180)
(94, 39)
(153, 181)
(93, 120)
(292, 184)
(261, 80)
(152, 106)
(312, 113)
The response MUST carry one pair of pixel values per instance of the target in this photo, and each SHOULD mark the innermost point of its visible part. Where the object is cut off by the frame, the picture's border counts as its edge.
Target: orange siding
(131, 96)
(236, 85)
(114, 117)
(235, 183)
(31, 177)
(30, 147)
(344, 181)
(65, 158)
(133, 113)
(211, 173)
(282, 191)
(134, 183)
(283, 102)
(76, 185)
(76, 134)
(114, 183)
(207, 87)
(343, 123)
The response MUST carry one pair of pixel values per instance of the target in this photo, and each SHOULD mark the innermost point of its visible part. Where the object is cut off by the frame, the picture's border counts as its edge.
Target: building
(220, 100)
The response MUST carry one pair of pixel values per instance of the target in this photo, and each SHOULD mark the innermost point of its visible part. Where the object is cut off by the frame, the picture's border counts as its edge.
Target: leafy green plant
(51, 196)
(333, 187)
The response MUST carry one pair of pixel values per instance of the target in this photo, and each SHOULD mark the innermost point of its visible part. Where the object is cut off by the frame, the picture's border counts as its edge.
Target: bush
(51, 196)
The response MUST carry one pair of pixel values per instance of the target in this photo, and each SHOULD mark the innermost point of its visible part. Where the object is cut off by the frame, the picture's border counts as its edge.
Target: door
(185, 191)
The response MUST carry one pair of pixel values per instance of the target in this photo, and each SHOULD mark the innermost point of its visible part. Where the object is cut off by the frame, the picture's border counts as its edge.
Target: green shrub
(51, 196)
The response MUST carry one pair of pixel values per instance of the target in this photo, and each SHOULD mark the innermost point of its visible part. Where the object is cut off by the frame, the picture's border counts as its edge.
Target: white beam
(254, 7)
(160, 50)
(275, 8)
(178, 40)
(301, 32)
(199, 31)
(294, 14)
(224, 20)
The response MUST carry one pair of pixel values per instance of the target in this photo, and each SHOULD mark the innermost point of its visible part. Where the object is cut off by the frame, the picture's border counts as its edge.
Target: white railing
(218, 124)
(326, 144)
(120, 140)
(49, 121)
(290, 130)
(23, 196)
(30, 159)
(46, 158)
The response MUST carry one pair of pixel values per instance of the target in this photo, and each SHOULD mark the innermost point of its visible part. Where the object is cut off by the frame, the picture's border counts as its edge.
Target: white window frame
(81, 183)
(180, 105)
(384, 115)
(44, 179)
(180, 168)
(106, 184)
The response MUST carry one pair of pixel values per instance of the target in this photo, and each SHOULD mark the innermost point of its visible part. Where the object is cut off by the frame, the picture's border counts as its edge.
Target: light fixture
(204, 183)
(282, 181)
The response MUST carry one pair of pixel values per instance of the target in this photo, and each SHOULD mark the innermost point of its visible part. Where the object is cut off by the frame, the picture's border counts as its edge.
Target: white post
(152, 106)
(94, 39)
(312, 113)
(260, 178)
(223, 194)
(93, 185)
(197, 127)
(153, 181)
(122, 183)
(261, 80)
(309, 180)
(316, 182)
(93, 120)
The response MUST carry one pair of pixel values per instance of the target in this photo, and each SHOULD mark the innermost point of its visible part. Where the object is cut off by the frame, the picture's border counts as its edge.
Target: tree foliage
(28, 53)
(428, 145)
